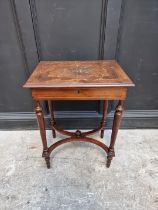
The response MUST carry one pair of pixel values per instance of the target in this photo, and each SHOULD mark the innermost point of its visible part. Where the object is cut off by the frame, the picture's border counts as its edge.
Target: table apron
(108, 93)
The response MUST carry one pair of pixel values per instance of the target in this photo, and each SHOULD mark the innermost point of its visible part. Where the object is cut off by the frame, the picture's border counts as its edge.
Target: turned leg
(105, 108)
(115, 127)
(52, 121)
(41, 124)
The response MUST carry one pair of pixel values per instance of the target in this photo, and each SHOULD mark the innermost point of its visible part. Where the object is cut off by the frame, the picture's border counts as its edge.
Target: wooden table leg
(41, 124)
(105, 109)
(115, 127)
(52, 121)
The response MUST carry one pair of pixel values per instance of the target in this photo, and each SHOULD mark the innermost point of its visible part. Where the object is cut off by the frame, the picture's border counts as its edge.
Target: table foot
(102, 134)
(53, 133)
(47, 162)
(110, 156)
(45, 154)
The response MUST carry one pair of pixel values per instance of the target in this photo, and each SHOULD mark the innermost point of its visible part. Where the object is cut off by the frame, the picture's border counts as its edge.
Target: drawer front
(110, 93)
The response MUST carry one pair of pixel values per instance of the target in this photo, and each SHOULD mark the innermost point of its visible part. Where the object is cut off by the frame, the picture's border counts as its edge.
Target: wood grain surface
(58, 74)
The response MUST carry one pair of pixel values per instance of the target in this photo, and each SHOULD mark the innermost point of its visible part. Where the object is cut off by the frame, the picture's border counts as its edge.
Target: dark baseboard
(132, 119)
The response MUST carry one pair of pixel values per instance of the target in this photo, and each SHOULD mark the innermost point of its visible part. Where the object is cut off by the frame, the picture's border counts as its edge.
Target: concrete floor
(78, 178)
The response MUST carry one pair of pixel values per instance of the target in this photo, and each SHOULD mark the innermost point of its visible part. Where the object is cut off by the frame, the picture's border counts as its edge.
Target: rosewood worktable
(78, 80)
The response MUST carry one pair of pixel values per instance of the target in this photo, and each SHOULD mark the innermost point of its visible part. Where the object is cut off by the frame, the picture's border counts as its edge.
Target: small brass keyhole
(78, 91)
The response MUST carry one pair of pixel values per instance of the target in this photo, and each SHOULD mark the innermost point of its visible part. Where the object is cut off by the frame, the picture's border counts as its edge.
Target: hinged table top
(100, 73)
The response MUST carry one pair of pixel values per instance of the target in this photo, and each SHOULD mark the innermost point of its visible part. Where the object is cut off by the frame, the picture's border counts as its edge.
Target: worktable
(78, 80)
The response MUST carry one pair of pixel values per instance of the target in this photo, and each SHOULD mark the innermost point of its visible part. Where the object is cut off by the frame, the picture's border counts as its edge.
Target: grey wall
(33, 30)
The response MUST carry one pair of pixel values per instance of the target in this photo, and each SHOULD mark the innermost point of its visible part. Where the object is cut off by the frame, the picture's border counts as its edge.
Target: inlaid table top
(100, 73)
